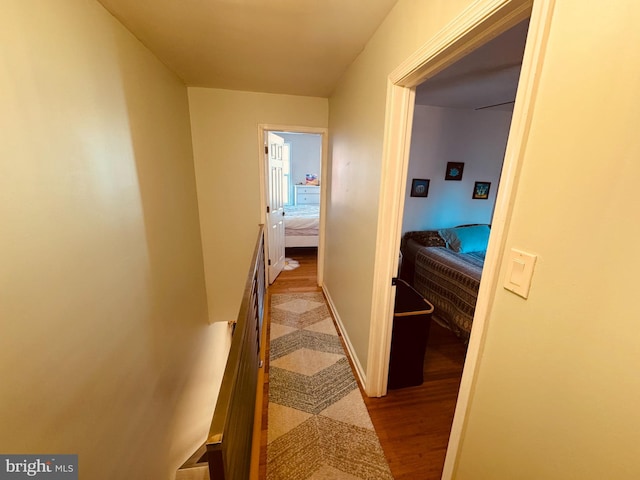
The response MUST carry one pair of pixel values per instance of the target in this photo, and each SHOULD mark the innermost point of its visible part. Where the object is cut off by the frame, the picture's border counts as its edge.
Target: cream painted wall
(558, 387)
(356, 125)
(441, 135)
(225, 144)
(105, 349)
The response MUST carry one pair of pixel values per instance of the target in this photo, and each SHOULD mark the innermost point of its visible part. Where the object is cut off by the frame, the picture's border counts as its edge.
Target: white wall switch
(520, 272)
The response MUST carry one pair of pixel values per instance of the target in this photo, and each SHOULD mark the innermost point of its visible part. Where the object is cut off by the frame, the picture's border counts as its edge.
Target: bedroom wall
(356, 125)
(441, 135)
(306, 155)
(106, 350)
(225, 142)
(556, 395)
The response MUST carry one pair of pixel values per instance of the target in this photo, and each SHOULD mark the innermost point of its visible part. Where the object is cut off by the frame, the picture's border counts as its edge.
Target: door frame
(324, 132)
(476, 25)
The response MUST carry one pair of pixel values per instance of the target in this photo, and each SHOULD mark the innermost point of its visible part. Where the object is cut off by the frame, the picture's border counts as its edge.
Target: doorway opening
(293, 169)
(472, 29)
(460, 126)
(458, 139)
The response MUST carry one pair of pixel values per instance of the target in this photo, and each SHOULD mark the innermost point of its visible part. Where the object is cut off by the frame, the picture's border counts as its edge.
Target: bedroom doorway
(472, 29)
(301, 219)
(461, 115)
(460, 126)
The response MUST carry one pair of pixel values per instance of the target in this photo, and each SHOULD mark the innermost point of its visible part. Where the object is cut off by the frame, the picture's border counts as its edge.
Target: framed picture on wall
(481, 190)
(419, 187)
(454, 171)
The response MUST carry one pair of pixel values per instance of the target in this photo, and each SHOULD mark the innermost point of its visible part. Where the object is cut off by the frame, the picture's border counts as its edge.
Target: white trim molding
(475, 26)
(345, 337)
(482, 21)
(395, 161)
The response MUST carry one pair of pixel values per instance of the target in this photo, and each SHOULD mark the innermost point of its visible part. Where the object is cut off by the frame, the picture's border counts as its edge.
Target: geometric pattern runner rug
(318, 425)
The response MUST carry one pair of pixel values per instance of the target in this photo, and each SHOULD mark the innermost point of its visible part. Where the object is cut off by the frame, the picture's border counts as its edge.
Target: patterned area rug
(318, 425)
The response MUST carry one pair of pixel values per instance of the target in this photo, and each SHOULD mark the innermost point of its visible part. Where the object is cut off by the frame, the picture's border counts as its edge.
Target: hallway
(412, 424)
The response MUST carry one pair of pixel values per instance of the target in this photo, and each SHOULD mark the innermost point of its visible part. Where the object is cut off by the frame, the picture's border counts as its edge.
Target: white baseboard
(362, 377)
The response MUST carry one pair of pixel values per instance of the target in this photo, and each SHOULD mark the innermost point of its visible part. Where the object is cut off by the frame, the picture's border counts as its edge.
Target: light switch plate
(520, 272)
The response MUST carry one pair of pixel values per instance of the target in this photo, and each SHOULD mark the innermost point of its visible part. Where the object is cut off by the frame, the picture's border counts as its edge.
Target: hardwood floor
(303, 279)
(412, 423)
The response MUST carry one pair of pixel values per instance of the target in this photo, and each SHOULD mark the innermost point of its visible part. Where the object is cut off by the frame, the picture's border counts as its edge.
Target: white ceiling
(298, 47)
(487, 76)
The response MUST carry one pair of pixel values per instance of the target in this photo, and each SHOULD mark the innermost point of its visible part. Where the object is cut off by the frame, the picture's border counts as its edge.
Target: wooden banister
(227, 450)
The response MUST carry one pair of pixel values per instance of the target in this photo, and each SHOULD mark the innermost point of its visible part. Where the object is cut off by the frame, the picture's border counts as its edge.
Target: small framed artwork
(419, 187)
(481, 190)
(454, 171)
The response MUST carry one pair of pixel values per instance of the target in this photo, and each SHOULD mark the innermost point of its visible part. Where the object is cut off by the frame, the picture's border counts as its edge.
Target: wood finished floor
(413, 423)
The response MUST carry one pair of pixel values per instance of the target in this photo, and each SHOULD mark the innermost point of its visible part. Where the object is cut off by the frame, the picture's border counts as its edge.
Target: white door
(275, 205)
